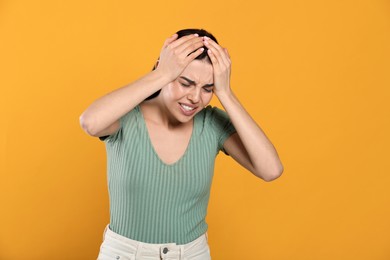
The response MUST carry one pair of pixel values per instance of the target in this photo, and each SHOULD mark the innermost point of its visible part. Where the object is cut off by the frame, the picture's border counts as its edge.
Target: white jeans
(118, 247)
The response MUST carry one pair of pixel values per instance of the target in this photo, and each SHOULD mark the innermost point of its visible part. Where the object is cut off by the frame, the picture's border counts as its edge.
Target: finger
(216, 56)
(193, 55)
(213, 59)
(170, 40)
(211, 41)
(227, 53)
(189, 46)
(214, 47)
(214, 44)
(227, 57)
(183, 39)
(218, 51)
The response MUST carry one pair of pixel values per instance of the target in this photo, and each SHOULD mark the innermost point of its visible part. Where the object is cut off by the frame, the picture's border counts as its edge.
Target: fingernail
(196, 34)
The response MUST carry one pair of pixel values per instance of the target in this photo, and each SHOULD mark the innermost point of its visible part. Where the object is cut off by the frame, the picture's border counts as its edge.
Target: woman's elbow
(272, 174)
(86, 124)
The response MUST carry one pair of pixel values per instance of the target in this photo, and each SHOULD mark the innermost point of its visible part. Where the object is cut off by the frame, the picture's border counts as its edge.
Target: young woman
(162, 138)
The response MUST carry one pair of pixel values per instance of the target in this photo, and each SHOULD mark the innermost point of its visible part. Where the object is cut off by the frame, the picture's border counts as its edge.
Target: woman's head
(203, 56)
(189, 93)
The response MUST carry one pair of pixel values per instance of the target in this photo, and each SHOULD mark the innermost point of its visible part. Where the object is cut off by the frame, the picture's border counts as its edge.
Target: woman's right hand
(174, 55)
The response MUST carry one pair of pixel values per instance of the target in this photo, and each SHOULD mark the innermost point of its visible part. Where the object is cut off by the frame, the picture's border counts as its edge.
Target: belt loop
(139, 250)
(181, 252)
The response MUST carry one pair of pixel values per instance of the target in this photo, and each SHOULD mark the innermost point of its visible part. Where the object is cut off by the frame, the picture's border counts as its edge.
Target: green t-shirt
(154, 202)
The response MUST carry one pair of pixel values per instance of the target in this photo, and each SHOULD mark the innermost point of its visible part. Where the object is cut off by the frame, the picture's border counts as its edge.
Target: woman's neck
(155, 111)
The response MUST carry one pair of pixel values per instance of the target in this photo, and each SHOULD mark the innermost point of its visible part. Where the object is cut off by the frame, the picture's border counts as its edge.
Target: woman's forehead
(199, 71)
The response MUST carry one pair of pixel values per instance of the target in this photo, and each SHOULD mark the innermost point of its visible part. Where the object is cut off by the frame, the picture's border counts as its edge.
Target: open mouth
(187, 108)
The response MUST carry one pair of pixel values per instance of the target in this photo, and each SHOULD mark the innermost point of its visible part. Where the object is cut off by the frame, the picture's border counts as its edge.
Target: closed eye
(184, 85)
(208, 90)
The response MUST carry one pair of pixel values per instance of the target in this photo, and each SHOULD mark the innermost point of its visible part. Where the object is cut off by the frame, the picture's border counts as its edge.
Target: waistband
(162, 250)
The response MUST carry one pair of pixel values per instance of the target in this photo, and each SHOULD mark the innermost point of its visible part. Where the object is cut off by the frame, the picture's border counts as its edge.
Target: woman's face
(190, 92)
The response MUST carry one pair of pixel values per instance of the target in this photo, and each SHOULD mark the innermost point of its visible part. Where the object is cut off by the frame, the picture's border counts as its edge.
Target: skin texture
(169, 126)
(191, 88)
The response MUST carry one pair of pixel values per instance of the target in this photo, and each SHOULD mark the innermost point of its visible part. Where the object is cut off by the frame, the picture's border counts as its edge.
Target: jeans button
(165, 250)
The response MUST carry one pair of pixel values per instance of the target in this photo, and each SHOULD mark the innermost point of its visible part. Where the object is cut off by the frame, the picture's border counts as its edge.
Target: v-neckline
(150, 143)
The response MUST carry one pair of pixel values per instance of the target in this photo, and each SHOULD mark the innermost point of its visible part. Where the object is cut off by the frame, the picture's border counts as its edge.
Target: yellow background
(313, 74)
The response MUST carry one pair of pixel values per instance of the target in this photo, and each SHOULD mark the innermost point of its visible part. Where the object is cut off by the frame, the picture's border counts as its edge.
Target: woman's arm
(102, 116)
(249, 146)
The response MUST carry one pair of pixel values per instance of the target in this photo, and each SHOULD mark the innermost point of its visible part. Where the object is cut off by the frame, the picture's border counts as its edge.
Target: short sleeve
(223, 127)
(113, 137)
(123, 121)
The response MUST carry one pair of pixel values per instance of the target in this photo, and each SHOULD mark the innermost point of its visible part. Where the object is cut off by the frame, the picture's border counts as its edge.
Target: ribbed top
(154, 202)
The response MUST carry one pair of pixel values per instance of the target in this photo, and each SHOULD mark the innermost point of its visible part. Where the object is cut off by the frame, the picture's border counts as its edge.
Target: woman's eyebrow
(191, 82)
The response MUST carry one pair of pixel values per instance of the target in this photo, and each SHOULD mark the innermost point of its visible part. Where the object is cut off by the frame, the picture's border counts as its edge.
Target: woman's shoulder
(213, 111)
(212, 114)
(209, 110)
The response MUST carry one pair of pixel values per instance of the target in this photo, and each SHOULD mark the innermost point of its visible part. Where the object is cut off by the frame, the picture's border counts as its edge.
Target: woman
(162, 139)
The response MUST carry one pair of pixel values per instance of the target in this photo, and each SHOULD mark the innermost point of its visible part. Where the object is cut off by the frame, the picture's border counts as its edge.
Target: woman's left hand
(220, 60)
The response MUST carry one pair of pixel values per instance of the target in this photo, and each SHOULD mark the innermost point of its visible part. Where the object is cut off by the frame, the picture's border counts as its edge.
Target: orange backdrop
(313, 74)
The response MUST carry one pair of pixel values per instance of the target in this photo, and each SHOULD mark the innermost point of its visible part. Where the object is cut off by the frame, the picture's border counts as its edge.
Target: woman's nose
(194, 95)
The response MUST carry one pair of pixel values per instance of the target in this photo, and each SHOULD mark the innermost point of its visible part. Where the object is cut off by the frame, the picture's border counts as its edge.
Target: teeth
(187, 108)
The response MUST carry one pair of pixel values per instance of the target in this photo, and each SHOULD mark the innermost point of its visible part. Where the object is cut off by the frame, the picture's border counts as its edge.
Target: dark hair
(203, 56)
